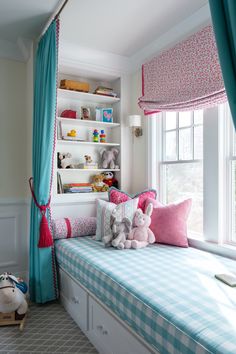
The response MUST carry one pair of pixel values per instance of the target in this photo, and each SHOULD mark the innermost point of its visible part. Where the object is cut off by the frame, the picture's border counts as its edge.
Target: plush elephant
(120, 232)
(11, 297)
(109, 157)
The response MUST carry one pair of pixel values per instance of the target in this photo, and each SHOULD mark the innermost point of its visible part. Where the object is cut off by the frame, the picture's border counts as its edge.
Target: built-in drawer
(112, 337)
(74, 299)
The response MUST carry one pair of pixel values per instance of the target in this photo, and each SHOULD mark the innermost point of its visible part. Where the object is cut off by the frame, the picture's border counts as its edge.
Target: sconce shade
(135, 120)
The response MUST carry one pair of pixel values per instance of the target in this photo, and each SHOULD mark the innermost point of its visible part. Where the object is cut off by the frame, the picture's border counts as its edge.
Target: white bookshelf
(87, 97)
(73, 100)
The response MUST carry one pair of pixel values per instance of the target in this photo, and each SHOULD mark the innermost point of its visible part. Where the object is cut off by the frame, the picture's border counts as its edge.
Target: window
(193, 155)
(181, 165)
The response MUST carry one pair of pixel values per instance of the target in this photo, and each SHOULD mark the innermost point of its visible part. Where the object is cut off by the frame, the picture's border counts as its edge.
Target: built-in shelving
(84, 96)
(89, 123)
(68, 142)
(87, 169)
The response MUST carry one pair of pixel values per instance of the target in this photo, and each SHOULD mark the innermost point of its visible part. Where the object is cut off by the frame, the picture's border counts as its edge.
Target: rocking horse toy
(13, 304)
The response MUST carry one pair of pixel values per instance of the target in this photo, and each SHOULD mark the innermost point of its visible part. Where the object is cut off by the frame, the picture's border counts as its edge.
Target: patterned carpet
(48, 329)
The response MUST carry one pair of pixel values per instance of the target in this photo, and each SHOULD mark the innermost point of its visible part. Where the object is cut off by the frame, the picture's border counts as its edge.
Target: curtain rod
(55, 15)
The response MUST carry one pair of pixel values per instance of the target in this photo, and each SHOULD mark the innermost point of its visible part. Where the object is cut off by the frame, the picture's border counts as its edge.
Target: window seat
(168, 295)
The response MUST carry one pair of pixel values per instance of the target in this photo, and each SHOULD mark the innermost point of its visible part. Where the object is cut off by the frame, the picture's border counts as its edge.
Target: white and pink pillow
(73, 227)
(169, 222)
(117, 196)
(104, 211)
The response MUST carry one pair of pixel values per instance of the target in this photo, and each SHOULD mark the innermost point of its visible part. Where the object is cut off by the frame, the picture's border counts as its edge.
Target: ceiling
(24, 18)
(122, 27)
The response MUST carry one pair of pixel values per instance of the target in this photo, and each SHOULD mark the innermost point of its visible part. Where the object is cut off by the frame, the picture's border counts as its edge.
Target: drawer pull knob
(100, 327)
(75, 300)
(105, 332)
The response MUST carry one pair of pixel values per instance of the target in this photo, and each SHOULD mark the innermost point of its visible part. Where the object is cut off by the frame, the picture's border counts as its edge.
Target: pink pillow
(169, 222)
(116, 196)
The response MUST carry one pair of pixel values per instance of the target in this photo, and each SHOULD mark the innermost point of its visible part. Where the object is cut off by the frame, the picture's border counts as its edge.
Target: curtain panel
(43, 281)
(223, 15)
(185, 77)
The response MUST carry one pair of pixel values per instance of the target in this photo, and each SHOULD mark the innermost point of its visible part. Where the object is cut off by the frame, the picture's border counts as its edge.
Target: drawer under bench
(107, 333)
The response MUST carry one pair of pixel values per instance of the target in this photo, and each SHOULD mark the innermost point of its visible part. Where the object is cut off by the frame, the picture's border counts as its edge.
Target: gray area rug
(48, 329)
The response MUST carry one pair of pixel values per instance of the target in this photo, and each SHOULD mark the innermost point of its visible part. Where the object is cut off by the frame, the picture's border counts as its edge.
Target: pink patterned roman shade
(185, 77)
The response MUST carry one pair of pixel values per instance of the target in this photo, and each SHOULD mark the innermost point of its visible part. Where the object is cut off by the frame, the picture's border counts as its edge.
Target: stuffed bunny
(140, 236)
(11, 297)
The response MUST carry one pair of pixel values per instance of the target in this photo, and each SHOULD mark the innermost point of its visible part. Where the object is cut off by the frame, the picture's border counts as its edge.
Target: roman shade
(184, 77)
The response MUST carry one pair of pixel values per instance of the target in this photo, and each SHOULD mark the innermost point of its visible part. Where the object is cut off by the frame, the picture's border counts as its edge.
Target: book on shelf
(105, 91)
(59, 184)
(77, 188)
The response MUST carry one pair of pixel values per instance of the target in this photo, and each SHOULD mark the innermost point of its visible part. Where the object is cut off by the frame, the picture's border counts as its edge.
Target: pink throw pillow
(169, 222)
(116, 196)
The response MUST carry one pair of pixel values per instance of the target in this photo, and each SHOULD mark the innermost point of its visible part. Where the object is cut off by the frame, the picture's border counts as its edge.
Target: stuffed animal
(140, 236)
(120, 232)
(64, 160)
(12, 298)
(109, 179)
(109, 157)
(98, 185)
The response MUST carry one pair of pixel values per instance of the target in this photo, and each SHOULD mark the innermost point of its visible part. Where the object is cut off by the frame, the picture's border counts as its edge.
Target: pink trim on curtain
(185, 77)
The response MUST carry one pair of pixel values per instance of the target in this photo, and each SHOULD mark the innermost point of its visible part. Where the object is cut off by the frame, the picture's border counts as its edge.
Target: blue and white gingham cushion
(167, 294)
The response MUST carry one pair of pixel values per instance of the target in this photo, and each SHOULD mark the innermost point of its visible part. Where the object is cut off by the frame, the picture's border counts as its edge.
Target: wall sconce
(135, 124)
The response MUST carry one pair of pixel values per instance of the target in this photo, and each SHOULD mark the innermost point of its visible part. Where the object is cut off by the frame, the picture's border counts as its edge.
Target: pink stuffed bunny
(140, 236)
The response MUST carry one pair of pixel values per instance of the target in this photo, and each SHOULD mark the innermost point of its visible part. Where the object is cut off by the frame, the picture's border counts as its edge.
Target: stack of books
(77, 188)
(105, 91)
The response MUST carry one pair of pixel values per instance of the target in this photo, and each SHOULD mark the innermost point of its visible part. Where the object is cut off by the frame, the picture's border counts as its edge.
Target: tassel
(45, 236)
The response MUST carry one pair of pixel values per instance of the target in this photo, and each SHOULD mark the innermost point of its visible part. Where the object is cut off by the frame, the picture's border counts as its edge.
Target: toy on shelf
(72, 133)
(109, 158)
(74, 85)
(68, 113)
(85, 113)
(109, 179)
(89, 164)
(13, 304)
(64, 160)
(98, 185)
(102, 136)
(95, 136)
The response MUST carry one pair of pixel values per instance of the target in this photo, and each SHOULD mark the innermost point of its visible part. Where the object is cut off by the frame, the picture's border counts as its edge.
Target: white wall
(15, 158)
(139, 150)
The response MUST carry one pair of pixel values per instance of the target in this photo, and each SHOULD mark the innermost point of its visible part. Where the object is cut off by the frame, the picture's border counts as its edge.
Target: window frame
(217, 126)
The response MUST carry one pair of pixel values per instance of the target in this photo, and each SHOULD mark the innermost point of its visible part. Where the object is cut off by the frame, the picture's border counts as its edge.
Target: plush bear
(98, 185)
(140, 236)
(109, 157)
(11, 297)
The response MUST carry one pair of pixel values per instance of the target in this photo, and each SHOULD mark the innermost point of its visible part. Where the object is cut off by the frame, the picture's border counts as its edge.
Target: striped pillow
(104, 211)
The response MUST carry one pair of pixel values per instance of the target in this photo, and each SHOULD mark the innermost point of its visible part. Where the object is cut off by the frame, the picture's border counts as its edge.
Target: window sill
(222, 250)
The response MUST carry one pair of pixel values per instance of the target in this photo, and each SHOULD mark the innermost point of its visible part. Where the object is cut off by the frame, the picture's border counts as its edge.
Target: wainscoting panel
(14, 236)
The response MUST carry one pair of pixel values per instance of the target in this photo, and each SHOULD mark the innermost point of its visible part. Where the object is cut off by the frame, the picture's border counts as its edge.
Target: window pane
(198, 142)
(185, 119)
(170, 120)
(185, 144)
(185, 180)
(233, 237)
(171, 146)
(198, 117)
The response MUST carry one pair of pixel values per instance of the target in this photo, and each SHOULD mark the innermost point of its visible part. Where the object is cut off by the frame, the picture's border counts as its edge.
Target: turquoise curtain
(223, 13)
(43, 282)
